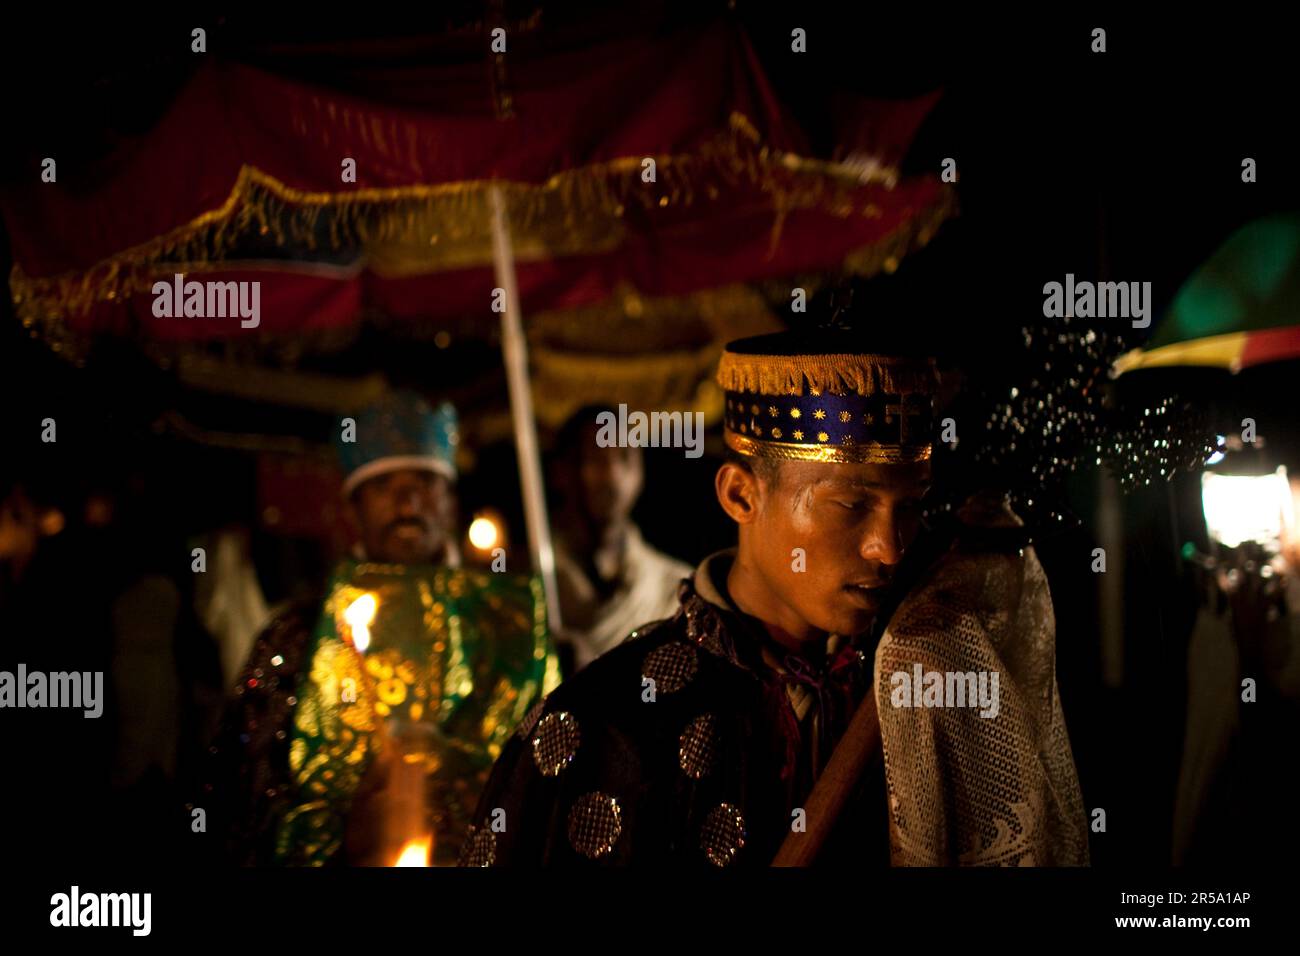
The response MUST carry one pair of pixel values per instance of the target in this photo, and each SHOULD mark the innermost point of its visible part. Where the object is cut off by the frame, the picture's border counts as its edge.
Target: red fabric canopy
(241, 179)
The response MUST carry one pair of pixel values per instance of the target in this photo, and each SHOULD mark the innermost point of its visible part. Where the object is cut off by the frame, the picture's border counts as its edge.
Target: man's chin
(406, 554)
(849, 622)
(602, 513)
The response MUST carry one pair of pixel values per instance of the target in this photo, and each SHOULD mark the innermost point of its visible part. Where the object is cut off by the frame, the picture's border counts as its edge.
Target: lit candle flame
(415, 852)
(359, 615)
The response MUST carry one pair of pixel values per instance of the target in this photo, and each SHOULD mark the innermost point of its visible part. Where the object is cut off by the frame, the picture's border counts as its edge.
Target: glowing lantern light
(484, 533)
(1240, 508)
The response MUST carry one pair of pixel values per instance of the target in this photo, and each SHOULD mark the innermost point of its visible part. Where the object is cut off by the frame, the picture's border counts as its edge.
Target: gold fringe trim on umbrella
(455, 211)
(564, 382)
(177, 424)
(578, 211)
(837, 374)
(296, 389)
(628, 322)
(915, 232)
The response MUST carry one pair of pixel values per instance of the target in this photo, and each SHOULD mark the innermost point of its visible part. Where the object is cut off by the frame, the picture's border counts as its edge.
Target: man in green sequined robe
(370, 717)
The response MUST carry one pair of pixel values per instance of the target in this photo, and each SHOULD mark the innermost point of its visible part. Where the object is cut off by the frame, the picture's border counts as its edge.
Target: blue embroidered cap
(818, 398)
(399, 430)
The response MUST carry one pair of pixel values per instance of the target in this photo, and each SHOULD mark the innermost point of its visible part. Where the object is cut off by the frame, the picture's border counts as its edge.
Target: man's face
(405, 517)
(853, 523)
(609, 480)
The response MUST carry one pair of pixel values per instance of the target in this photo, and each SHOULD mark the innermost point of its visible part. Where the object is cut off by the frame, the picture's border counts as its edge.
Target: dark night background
(1122, 166)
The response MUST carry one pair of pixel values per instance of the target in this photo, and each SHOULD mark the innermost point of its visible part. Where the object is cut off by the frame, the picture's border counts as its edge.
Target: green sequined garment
(440, 664)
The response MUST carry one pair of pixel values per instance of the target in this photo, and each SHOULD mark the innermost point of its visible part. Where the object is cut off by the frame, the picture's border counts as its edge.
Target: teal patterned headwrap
(399, 430)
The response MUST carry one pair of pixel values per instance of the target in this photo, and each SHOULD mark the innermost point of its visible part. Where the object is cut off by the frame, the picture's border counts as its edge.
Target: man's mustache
(407, 523)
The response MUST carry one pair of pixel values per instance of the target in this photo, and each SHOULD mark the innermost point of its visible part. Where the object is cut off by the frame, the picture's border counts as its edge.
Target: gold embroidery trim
(853, 454)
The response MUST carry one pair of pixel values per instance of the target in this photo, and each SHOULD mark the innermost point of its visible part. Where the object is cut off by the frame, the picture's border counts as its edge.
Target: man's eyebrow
(866, 484)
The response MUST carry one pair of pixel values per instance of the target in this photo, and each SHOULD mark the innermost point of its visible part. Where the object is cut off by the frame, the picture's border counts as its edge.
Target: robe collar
(716, 624)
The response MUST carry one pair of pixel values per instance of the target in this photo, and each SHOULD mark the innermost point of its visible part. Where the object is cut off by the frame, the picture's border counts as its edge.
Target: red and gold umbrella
(656, 166)
(639, 178)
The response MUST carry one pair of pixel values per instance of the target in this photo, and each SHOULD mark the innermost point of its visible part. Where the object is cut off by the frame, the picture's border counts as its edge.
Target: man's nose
(603, 467)
(408, 501)
(883, 541)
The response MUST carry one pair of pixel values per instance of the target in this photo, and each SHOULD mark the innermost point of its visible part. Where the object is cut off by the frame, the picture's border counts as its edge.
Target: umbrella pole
(515, 349)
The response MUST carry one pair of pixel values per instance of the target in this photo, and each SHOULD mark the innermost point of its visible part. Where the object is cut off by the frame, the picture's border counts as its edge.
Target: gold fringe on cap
(838, 374)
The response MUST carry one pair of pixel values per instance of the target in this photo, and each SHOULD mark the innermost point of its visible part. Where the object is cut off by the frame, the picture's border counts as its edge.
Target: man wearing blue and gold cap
(699, 741)
(367, 721)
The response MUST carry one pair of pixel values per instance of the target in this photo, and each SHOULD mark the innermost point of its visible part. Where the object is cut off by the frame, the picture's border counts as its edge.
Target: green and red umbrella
(1239, 309)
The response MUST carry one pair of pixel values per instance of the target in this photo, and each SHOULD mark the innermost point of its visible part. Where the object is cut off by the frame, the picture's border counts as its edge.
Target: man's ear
(738, 492)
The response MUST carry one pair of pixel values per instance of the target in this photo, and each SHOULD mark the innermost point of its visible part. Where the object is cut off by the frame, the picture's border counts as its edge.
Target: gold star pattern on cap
(798, 435)
(819, 414)
(795, 413)
(776, 433)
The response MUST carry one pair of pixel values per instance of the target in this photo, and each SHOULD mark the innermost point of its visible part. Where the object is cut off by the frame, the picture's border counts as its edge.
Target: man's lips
(407, 530)
(868, 595)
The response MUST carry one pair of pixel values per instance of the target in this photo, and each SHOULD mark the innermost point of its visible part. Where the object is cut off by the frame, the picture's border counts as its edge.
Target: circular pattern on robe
(723, 834)
(556, 742)
(530, 719)
(698, 750)
(595, 823)
(671, 667)
(480, 847)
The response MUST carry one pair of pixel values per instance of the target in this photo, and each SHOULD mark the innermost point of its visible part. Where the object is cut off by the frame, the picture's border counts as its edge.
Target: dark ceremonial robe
(247, 784)
(694, 743)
